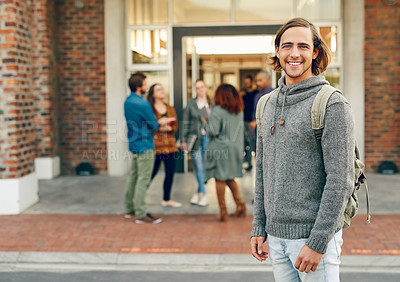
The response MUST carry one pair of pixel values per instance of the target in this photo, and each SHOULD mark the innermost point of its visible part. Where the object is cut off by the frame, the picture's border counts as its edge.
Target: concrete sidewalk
(101, 194)
(78, 224)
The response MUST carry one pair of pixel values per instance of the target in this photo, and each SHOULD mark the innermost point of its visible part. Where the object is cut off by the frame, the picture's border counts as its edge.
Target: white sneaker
(195, 199)
(171, 203)
(203, 201)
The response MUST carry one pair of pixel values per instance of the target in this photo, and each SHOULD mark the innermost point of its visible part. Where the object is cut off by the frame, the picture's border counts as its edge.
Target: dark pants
(169, 164)
(249, 143)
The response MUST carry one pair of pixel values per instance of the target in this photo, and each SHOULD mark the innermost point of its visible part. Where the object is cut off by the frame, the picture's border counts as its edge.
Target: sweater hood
(300, 91)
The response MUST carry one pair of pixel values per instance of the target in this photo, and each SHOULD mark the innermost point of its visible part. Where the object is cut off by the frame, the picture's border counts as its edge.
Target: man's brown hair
(136, 80)
(321, 62)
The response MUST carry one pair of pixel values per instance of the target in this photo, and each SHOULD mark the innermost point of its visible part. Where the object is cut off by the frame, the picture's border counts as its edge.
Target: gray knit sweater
(299, 193)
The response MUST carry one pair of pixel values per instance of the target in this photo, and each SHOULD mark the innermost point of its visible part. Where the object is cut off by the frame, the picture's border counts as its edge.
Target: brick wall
(382, 83)
(17, 105)
(44, 77)
(81, 84)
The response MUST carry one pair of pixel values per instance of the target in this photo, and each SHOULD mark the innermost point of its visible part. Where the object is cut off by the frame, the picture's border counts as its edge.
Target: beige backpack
(317, 119)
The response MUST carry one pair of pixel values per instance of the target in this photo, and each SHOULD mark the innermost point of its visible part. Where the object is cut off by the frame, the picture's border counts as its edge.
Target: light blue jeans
(198, 158)
(283, 254)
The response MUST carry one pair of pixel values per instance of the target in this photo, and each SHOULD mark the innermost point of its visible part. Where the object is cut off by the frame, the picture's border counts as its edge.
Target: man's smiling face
(295, 53)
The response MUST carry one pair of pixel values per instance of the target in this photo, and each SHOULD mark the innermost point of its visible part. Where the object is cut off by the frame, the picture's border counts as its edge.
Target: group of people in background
(213, 131)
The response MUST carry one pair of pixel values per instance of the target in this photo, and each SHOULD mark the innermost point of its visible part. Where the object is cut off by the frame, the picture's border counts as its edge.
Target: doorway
(223, 59)
(219, 68)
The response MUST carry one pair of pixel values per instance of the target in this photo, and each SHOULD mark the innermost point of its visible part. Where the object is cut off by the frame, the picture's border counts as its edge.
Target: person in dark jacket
(248, 113)
(195, 139)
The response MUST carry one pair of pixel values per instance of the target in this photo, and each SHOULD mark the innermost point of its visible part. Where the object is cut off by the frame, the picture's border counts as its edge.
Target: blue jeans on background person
(283, 254)
(198, 158)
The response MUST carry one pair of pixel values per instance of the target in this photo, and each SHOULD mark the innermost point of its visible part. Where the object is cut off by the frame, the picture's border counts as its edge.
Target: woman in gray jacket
(195, 139)
(224, 155)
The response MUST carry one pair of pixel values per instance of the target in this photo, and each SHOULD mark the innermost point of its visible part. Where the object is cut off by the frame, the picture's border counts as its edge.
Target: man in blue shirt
(141, 124)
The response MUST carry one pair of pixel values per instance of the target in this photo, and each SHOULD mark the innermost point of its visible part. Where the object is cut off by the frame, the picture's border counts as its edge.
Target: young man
(300, 194)
(141, 124)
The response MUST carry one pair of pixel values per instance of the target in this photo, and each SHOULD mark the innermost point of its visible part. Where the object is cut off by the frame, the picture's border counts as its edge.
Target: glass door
(223, 59)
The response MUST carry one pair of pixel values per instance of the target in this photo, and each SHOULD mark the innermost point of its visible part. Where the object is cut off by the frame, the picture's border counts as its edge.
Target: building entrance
(223, 59)
(216, 55)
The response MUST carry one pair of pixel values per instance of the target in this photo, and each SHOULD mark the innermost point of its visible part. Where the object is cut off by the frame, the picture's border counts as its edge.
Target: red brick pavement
(188, 234)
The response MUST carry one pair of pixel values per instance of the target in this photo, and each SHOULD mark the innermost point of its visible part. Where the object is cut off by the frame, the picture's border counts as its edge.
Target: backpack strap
(359, 175)
(261, 107)
(319, 107)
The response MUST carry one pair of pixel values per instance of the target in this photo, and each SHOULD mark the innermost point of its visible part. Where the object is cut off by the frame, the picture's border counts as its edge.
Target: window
(148, 41)
(146, 12)
(148, 46)
(329, 35)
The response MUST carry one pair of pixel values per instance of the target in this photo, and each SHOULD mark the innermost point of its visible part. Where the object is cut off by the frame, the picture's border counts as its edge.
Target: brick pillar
(47, 162)
(382, 83)
(18, 188)
(81, 84)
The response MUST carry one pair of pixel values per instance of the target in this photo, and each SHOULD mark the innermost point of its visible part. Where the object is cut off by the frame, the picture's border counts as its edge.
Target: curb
(38, 261)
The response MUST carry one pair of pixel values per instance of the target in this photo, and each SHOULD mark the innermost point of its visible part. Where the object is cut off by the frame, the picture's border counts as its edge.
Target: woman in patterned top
(164, 140)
